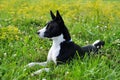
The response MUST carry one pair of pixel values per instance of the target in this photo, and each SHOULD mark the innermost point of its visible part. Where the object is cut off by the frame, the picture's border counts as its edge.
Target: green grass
(87, 21)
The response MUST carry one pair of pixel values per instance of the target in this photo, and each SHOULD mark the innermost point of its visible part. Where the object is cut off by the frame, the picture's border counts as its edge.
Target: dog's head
(53, 28)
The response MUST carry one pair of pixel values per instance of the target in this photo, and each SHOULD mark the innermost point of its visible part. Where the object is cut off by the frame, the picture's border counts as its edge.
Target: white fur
(37, 63)
(40, 71)
(97, 41)
(41, 32)
(55, 49)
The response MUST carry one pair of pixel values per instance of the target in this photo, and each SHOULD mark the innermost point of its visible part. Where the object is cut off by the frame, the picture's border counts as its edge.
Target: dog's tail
(98, 44)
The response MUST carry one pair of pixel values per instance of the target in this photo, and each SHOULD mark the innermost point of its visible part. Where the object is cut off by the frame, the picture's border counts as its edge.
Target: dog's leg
(40, 71)
(37, 63)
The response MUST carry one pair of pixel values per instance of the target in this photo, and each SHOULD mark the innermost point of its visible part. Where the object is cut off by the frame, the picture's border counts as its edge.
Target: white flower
(5, 54)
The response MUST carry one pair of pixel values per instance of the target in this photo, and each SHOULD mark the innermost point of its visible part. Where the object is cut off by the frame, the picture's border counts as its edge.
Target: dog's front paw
(40, 71)
(30, 64)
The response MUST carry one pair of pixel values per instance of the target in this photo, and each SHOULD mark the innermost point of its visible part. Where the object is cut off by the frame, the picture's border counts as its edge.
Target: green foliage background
(87, 21)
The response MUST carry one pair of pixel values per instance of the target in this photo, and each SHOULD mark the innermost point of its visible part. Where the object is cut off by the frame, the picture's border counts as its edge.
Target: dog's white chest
(55, 49)
(53, 53)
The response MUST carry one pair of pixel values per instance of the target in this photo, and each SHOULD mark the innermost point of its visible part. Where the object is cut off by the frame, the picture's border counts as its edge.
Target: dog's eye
(50, 28)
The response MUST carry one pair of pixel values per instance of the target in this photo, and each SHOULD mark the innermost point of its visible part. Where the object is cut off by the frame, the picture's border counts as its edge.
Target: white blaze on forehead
(42, 32)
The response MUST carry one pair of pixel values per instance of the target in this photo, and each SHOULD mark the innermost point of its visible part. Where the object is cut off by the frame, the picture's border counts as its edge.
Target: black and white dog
(63, 48)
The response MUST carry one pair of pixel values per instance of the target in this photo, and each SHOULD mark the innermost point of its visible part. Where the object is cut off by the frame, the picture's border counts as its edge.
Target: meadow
(87, 21)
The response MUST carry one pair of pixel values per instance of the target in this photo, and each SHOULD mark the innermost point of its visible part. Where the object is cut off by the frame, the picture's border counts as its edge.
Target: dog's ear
(52, 15)
(58, 16)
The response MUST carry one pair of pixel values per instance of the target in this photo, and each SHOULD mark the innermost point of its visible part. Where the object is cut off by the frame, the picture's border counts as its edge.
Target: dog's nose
(38, 32)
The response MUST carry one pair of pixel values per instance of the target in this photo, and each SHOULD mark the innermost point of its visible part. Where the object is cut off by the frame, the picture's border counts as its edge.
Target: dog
(63, 48)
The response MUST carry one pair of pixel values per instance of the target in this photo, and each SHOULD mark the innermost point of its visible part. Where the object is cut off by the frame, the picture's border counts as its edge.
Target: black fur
(68, 50)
